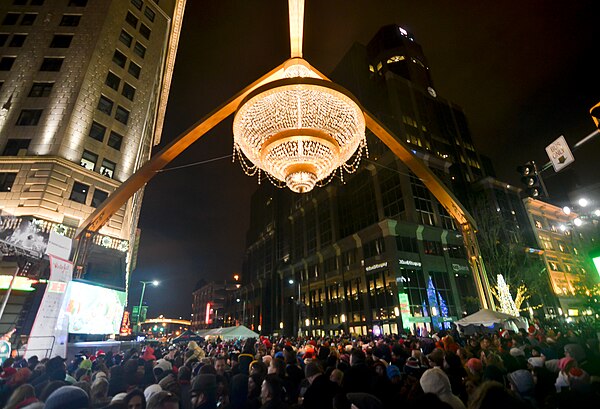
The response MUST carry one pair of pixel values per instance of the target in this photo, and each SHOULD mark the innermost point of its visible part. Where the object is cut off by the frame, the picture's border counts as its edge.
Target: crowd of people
(510, 370)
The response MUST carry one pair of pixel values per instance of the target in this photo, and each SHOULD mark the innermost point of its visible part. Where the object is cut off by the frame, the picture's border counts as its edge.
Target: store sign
(458, 267)
(59, 245)
(409, 263)
(376, 266)
(23, 235)
(420, 319)
(4, 351)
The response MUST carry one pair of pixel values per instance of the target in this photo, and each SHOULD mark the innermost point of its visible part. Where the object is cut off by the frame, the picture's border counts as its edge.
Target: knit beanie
(67, 397)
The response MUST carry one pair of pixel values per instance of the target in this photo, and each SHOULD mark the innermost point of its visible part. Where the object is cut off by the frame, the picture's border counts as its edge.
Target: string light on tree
(507, 304)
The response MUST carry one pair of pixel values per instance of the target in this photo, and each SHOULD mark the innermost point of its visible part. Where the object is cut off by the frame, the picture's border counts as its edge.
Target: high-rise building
(83, 92)
(377, 252)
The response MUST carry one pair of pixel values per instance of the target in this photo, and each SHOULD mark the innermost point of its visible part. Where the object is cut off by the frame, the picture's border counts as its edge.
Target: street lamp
(291, 282)
(139, 314)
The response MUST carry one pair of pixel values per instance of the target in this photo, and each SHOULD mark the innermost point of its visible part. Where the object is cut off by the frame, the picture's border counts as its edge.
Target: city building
(161, 327)
(375, 253)
(208, 302)
(83, 93)
(559, 233)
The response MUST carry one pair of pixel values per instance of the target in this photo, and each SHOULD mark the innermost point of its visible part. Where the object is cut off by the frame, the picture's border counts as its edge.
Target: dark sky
(521, 70)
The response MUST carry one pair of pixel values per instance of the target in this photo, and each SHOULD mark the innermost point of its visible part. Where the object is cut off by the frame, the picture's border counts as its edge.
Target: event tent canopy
(227, 333)
(187, 336)
(489, 318)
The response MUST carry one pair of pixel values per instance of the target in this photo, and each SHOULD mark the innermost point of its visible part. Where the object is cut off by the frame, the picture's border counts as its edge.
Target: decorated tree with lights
(502, 294)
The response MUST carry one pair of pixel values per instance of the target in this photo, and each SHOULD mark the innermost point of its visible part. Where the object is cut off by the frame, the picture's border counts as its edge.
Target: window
(131, 19)
(28, 19)
(115, 140)
(29, 117)
(98, 197)
(139, 49)
(79, 192)
(119, 58)
(17, 40)
(89, 160)
(433, 248)
(407, 244)
(122, 115)
(128, 91)
(138, 4)
(105, 105)
(113, 81)
(41, 89)
(134, 69)
(78, 3)
(145, 31)
(97, 131)
(107, 168)
(16, 147)
(10, 19)
(148, 12)
(70, 20)
(126, 38)
(1, 84)
(3, 39)
(19, 2)
(374, 248)
(61, 41)
(6, 63)
(36, 2)
(51, 64)
(6, 181)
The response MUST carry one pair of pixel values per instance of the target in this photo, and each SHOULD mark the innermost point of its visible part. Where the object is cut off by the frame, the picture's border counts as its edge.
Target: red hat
(8, 372)
(475, 364)
(100, 353)
(313, 342)
(308, 355)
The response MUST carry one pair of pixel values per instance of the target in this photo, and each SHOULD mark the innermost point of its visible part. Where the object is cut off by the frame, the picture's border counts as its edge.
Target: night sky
(521, 70)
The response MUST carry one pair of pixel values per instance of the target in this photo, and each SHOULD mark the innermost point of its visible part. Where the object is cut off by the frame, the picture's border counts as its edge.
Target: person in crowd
(271, 393)
(203, 391)
(163, 400)
(435, 381)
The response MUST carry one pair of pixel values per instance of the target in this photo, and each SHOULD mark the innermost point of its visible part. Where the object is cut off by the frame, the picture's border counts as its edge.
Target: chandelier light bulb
(583, 202)
(566, 210)
(577, 222)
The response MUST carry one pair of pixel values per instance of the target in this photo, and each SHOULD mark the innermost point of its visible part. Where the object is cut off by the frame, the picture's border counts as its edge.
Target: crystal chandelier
(299, 130)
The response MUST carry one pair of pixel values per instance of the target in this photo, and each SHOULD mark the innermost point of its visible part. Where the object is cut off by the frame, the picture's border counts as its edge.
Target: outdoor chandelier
(299, 130)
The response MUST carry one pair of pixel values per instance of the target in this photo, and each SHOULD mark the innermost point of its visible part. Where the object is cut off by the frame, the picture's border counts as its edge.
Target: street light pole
(139, 314)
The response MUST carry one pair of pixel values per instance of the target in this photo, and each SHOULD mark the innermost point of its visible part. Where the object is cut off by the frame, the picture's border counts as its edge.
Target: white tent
(227, 333)
(491, 319)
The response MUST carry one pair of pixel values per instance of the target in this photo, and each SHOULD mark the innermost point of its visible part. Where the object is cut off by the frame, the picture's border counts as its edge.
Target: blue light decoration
(443, 309)
(433, 304)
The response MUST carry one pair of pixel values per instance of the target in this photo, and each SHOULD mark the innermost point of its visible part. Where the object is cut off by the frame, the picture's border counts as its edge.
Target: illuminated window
(79, 192)
(107, 168)
(554, 266)
(89, 160)
(29, 117)
(396, 58)
(538, 224)
(28, 19)
(70, 20)
(41, 89)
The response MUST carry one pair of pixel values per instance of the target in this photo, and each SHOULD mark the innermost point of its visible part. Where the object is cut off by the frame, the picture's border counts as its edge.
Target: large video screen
(91, 309)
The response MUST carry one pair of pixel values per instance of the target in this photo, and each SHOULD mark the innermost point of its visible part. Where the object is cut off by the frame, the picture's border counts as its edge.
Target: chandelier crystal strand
(300, 129)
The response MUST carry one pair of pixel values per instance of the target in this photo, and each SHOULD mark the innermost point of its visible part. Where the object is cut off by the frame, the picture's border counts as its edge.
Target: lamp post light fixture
(139, 314)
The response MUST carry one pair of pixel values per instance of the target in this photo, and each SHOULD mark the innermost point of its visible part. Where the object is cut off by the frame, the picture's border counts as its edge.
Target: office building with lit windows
(564, 242)
(376, 252)
(83, 92)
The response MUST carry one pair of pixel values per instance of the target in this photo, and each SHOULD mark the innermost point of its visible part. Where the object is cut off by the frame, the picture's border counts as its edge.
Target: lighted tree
(502, 294)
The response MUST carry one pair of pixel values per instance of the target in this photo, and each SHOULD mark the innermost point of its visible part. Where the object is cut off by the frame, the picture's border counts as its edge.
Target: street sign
(559, 153)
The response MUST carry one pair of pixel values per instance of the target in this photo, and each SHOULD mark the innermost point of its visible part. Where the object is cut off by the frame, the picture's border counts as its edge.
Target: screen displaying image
(92, 309)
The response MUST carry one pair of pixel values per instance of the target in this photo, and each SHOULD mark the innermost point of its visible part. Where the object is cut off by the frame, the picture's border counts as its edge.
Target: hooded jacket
(436, 381)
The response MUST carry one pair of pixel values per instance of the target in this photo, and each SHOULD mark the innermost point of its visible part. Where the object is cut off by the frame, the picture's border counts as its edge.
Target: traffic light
(595, 112)
(531, 179)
